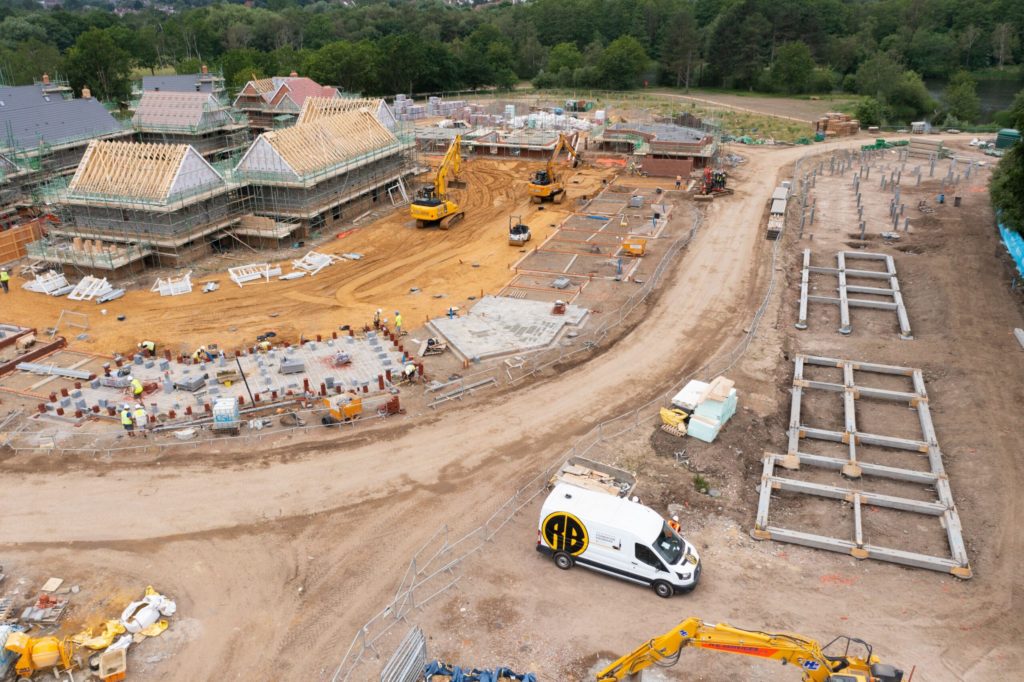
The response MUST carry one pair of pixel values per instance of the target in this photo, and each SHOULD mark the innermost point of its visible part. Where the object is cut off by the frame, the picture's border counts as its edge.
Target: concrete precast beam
(864, 439)
(864, 255)
(869, 469)
(858, 528)
(805, 274)
(866, 274)
(765, 497)
(951, 521)
(862, 391)
(844, 304)
(834, 492)
(877, 305)
(876, 291)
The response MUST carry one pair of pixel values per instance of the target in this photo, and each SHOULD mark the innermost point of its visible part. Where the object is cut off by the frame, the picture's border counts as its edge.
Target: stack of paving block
(710, 405)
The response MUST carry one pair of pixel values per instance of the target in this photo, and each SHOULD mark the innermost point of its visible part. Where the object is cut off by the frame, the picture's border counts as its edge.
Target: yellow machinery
(38, 654)
(546, 185)
(342, 408)
(673, 421)
(634, 246)
(432, 207)
(805, 654)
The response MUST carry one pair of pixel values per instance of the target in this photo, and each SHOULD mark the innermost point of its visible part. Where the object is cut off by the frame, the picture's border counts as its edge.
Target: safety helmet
(126, 407)
(675, 518)
(138, 406)
(131, 378)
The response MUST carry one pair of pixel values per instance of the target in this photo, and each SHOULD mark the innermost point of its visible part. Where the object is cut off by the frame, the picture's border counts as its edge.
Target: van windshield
(669, 545)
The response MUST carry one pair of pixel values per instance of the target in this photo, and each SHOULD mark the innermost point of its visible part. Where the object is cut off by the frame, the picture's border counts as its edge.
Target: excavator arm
(546, 185)
(451, 164)
(790, 649)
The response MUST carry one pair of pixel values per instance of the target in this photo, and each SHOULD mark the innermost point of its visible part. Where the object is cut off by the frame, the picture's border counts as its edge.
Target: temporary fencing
(432, 569)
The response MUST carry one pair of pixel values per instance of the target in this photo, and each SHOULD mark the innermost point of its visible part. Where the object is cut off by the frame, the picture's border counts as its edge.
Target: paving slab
(499, 325)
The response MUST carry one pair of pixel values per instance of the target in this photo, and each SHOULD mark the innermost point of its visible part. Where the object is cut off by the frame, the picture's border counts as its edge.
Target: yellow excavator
(806, 654)
(432, 207)
(546, 185)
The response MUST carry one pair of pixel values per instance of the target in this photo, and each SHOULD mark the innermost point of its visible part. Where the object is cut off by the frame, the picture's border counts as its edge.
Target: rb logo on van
(565, 533)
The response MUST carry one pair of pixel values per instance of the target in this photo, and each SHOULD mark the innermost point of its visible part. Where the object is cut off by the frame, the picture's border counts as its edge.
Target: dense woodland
(878, 48)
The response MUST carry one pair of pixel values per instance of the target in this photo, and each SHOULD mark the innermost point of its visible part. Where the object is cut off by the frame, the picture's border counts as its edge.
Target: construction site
(244, 343)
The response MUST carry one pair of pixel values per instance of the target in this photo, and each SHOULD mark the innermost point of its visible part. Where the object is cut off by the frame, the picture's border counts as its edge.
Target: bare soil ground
(293, 545)
(963, 314)
(471, 258)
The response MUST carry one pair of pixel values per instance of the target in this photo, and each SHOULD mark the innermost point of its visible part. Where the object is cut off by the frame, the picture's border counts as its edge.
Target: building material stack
(925, 148)
(835, 124)
(407, 110)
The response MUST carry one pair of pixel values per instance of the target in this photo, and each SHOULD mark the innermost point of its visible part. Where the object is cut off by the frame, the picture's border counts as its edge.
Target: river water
(995, 95)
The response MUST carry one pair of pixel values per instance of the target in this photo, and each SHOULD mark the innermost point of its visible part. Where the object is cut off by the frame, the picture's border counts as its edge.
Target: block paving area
(499, 325)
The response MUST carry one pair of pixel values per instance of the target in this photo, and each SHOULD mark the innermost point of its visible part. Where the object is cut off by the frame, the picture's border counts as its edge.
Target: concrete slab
(498, 325)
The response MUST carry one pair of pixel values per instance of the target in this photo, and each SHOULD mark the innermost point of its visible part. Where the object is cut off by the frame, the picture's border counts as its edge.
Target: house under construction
(198, 119)
(315, 108)
(44, 131)
(310, 176)
(131, 204)
(271, 103)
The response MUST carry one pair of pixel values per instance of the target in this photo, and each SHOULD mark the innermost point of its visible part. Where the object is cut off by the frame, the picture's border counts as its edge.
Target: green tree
(1007, 188)
(870, 112)
(622, 64)
(793, 68)
(564, 56)
(1017, 111)
(16, 30)
(29, 60)
(961, 97)
(680, 47)
(98, 60)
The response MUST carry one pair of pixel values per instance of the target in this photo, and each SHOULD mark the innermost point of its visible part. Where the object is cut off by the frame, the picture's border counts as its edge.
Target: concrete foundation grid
(844, 288)
(854, 470)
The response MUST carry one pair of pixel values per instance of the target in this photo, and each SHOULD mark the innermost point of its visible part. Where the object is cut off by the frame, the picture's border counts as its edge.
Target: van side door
(647, 565)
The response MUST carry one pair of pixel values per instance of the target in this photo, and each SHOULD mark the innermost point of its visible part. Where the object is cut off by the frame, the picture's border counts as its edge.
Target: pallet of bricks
(834, 124)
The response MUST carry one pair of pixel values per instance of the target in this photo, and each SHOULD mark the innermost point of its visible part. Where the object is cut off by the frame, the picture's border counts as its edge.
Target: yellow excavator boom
(431, 206)
(546, 184)
(806, 654)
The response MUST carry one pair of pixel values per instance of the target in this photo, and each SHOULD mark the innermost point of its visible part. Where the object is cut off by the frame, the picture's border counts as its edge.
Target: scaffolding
(196, 118)
(165, 206)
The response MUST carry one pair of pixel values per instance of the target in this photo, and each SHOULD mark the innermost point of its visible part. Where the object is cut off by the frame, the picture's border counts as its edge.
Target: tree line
(881, 49)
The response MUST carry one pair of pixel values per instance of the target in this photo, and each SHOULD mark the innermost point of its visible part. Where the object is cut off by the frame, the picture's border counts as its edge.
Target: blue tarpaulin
(1014, 243)
(457, 674)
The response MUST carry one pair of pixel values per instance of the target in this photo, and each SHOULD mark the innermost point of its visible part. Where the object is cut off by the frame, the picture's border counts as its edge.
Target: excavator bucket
(454, 183)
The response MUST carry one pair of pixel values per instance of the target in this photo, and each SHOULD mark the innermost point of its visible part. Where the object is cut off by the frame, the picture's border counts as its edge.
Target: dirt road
(299, 545)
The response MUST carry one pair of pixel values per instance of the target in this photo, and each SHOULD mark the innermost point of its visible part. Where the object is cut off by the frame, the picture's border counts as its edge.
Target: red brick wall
(668, 168)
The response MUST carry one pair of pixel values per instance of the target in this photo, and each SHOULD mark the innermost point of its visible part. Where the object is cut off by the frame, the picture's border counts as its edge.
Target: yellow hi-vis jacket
(126, 417)
(4, 277)
(136, 387)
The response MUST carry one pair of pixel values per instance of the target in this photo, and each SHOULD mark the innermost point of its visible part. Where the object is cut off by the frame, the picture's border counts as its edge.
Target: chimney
(205, 70)
(46, 79)
(86, 92)
(294, 74)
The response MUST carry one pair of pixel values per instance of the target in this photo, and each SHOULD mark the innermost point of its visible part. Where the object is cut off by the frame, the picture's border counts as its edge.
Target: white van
(616, 536)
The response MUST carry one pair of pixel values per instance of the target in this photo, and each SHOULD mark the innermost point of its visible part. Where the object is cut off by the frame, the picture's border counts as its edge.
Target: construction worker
(410, 372)
(264, 345)
(136, 386)
(149, 346)
(679, 181)
(127, 420)
(5, 279)
(675, 525)
(141, 418)
(398, 323)
(376, 319)
(201, 355)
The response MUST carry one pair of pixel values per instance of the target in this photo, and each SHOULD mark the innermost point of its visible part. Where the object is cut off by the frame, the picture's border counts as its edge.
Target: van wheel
(563, 561)
(662, 589)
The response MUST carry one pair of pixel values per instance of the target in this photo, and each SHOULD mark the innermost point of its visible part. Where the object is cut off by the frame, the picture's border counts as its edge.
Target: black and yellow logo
(565, 533)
